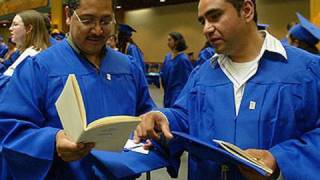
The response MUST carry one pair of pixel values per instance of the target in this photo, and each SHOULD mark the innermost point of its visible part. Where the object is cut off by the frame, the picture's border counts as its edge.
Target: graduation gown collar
(111, 62)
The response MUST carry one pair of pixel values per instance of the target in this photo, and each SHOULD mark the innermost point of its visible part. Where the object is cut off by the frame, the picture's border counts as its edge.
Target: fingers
(250, 174)
(136, 138)
(147, 145)
(67, 150)
(152, 123)
(166, 131)
(73, 156)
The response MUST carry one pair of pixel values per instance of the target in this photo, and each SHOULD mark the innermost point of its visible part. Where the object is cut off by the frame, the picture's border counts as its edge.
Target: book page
(69, 110)
(80, 102)
(112, 120)
(110, 137)
(242, 155)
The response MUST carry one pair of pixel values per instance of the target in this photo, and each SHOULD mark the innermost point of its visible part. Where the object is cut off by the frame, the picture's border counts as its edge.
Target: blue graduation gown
(285, 118)
(29, 120)
(13, 57)
(204, 55)
(174, 74)
(3, 50)
(136, 53)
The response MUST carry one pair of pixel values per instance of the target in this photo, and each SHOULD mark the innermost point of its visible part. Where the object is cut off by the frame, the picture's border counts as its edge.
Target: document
(108, 133)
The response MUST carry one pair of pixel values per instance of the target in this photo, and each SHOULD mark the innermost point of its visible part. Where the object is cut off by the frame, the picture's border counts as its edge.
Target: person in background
(112, 42)
(205, 54)
(255, 92)
(285, 40)
(3, 47)
(175, 70)
(48, 26)
(34, 146)
(11, 56)
(29, 32)
(127, 46)
(305, 35)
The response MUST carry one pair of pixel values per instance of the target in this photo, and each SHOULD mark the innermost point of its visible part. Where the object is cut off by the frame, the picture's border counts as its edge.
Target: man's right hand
(69, 151)
(152, 123)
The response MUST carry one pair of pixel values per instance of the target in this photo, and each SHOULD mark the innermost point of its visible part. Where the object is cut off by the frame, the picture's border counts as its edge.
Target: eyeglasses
(91, 22)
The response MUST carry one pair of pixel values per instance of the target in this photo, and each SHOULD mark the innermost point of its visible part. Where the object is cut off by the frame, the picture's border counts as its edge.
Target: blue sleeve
(298, 157)
(28, 147)
(144, 100)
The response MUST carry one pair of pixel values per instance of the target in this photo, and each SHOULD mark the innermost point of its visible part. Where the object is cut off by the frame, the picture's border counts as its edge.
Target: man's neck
(249, 49)
(94, 60)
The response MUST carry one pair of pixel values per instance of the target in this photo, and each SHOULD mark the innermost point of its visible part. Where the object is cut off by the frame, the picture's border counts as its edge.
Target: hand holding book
(262, 156)
(224, 152)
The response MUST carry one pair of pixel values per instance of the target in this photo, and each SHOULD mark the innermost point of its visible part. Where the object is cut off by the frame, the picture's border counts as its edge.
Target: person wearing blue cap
(33, 143)
(127, 46)
(262, 26)
(3, 48)
(305, 35)
(205, 54)
(255, 92)
(285, 40)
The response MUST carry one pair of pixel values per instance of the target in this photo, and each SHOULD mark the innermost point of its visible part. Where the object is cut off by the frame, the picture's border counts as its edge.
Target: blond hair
(37, 35)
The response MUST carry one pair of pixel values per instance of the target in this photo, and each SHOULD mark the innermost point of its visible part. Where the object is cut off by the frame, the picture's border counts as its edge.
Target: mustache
(93, 37)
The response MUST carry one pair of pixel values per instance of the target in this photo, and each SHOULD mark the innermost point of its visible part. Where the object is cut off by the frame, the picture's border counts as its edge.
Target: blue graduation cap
(305, 31)
(126, 29)
(262, 26)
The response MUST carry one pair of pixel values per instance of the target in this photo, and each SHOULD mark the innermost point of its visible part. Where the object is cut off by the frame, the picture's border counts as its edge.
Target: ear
(247, 10)
(68, 13)
(29, 28)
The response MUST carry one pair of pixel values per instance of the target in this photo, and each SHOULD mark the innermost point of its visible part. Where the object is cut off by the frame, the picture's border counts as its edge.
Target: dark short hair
(74, 4)
(179, 41)
(238, 5)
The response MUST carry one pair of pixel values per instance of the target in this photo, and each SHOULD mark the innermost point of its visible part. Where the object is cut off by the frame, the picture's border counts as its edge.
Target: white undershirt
(240, 73)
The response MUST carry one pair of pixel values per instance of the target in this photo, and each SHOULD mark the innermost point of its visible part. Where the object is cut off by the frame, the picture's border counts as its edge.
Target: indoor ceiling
(138, 4)
(125, 5)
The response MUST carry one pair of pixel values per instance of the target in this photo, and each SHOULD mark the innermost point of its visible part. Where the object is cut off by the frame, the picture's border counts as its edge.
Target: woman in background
(29, 32)
(175, 70)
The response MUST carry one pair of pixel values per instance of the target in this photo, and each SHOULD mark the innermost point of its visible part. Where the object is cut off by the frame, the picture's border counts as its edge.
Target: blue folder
(213, 151)
(128, 163)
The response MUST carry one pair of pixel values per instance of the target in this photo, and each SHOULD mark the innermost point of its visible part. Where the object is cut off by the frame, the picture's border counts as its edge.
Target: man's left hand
(264, 157)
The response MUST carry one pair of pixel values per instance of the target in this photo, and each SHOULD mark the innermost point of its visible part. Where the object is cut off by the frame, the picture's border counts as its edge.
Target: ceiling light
(162, 0)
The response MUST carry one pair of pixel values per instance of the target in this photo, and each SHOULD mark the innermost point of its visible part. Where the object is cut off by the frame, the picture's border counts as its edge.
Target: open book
(235, 150)
(221, 152)
(108, 133)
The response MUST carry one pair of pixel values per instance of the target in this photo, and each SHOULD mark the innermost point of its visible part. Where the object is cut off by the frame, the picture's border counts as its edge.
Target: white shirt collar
(270, 44)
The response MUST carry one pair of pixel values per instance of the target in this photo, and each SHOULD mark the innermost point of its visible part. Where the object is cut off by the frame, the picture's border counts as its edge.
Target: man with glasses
(33, 144)
(254, 92)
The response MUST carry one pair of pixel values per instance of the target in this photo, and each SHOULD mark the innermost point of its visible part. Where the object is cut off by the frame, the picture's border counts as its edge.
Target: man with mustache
(33, 144)
(255, 93)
